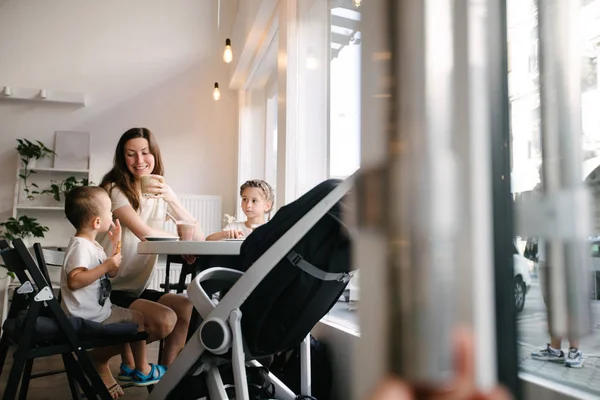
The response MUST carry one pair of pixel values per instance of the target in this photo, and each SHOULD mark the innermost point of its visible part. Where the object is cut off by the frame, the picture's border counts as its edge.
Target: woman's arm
(130, 219)
(160, 189)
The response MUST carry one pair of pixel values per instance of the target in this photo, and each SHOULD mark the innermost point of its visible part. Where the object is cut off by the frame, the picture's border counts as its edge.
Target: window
(328, 76)
(271, 136)
(257, 147)
(527, 177)
(344, 87)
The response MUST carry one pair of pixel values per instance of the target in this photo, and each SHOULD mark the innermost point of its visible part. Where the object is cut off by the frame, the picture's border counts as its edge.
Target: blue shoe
(124, 373)
(574, 359)
(156, 372)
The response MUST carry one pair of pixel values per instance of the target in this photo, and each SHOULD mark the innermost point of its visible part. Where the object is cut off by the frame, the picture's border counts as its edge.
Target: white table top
(223, 247)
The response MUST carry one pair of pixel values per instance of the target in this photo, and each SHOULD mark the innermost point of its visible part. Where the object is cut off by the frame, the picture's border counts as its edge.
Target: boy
(85, 284)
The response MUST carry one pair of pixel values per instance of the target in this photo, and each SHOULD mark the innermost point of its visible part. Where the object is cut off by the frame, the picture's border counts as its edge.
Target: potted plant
(23, 228)
(63, 187)
(29, 152)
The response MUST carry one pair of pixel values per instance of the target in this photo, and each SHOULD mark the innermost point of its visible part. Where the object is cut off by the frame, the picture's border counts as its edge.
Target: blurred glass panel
(344, 123)
(526, 179)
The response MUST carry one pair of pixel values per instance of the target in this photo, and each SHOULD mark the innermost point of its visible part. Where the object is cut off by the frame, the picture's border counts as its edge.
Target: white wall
(139, 63)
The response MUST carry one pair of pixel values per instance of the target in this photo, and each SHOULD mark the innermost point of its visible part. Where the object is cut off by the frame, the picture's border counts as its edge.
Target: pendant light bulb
(357, 3)
(228, 53)
(216, 92)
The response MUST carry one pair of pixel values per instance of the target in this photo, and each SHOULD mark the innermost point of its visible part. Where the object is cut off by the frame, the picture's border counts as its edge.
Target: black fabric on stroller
(286, 305)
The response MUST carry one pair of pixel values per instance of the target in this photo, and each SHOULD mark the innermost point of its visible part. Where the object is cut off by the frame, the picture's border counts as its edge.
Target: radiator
(206, 210)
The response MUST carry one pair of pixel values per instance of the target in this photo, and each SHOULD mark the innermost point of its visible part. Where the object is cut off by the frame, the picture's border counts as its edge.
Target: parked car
(522, 282)
(522, 278)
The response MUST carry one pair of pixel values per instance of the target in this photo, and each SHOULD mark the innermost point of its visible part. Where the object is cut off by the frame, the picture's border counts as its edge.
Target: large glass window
(271, 135)
(345, 123)
(344, 86)
(313, 66)
(527, 179)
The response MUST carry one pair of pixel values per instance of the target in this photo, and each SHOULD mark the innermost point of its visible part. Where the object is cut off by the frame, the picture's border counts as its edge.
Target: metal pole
(566, 220)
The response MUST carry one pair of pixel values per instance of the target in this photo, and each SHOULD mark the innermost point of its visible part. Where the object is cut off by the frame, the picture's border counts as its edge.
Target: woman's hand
(115, 236)
(159, 189)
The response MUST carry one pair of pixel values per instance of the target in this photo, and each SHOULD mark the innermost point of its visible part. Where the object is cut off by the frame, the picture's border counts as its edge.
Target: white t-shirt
(136, 269)
(83, 302)
(240, 226)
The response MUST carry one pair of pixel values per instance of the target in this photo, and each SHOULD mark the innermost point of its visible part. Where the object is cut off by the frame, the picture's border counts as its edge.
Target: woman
(166, 316)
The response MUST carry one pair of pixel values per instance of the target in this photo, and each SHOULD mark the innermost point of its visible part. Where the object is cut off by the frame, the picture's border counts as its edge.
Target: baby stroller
(290, 272)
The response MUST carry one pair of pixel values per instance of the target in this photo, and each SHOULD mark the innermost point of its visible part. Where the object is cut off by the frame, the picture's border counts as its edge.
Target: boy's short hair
(82, 204)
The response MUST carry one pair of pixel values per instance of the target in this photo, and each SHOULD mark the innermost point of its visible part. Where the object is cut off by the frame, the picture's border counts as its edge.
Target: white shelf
(52, 96)
(72, 171)
(41, 208)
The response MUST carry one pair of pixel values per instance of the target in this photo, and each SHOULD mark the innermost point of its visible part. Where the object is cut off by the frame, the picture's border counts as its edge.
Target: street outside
(533, 335)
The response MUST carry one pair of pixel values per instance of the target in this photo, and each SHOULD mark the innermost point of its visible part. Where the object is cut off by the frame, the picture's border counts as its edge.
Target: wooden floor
(56, 386)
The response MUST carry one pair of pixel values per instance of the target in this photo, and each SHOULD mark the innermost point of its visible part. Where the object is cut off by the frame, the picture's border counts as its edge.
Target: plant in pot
(23, 228)
(29, 152)
(61, 188)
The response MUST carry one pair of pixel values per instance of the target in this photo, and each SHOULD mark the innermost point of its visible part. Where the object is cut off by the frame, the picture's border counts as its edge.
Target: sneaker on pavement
(574, 358)
(549, 354)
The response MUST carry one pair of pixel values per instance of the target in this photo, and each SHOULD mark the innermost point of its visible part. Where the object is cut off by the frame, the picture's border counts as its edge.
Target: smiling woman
(166, 316)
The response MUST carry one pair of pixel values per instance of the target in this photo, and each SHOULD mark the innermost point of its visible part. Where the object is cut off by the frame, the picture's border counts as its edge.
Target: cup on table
(146, 181)
(185, 230)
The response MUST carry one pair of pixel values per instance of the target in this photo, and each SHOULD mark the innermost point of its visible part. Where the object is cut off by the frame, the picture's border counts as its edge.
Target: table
(204, 252)
(221, 248)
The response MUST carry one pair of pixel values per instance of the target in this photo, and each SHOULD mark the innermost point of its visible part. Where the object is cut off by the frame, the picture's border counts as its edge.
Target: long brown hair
(120, 175)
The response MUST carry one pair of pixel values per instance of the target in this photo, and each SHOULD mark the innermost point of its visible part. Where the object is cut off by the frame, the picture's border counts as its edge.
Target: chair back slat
(12, 261)
(37, 248)
(47, 257)
(28, 263)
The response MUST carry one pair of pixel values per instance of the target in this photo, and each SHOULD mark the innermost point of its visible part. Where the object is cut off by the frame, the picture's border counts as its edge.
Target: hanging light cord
(219, 15)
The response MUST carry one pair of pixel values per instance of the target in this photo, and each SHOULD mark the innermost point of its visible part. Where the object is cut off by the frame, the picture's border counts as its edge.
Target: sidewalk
(586, 378)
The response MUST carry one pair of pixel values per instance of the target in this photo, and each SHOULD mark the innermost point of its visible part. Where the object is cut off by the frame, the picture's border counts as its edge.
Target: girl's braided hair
(264, 187)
